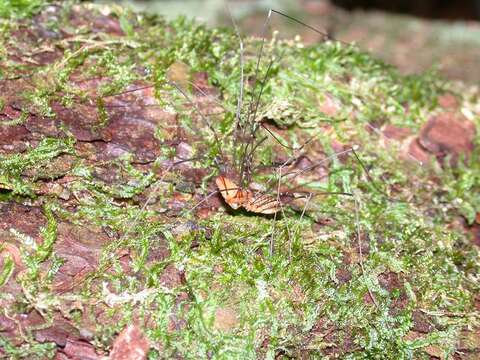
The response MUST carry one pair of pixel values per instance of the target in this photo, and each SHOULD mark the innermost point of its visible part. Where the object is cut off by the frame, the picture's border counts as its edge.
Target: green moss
(34, 255)
(20, 8)
(283, 278)
(7, 270)
(28, 350)
(13, 167)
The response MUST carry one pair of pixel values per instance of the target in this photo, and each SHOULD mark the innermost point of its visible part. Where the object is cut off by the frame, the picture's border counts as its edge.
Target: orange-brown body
(237, 197)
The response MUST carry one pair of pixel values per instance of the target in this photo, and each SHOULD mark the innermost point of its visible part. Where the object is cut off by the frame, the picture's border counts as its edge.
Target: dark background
(429, 9)
(434, 9)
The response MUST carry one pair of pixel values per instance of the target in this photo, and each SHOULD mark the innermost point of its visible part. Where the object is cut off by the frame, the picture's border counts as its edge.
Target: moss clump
(332, 276)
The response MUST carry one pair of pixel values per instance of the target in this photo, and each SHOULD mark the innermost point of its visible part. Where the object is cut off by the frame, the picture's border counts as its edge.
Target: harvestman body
(237, 197)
